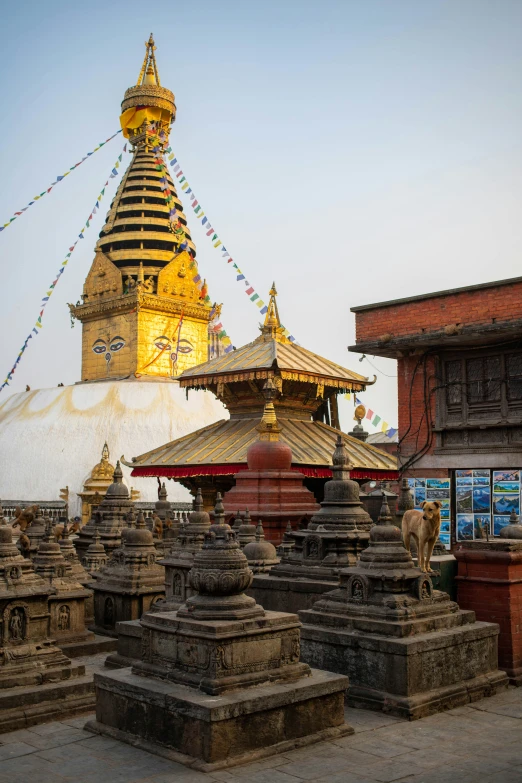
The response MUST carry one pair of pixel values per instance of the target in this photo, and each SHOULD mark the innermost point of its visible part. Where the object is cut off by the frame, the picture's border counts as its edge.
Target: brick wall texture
(482, 306)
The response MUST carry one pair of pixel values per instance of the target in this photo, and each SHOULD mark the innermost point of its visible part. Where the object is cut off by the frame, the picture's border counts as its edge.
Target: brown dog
(424, 526)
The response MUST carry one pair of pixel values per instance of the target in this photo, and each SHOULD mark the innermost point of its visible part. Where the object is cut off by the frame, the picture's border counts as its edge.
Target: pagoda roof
(268, 356)
(273, 353)
(221, 449)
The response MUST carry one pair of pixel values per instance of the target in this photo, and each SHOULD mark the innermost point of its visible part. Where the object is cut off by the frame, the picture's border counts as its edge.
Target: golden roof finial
(149, 69)
(272, 324)
(268, 427)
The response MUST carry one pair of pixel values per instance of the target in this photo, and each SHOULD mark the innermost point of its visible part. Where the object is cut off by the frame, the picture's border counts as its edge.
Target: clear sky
(352, 151)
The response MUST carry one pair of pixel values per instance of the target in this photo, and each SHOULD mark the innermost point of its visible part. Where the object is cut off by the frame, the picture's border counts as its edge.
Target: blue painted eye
(185, 346)
(99, 346)
(117, 343)
(162, 343)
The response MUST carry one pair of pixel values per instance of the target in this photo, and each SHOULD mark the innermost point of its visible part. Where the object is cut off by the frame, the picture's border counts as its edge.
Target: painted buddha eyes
(162, 343)
(185, 346)
(115, 344)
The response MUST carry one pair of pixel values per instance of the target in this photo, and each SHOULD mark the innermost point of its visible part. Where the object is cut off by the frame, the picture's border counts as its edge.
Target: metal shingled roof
(263, 354)
(227, 441)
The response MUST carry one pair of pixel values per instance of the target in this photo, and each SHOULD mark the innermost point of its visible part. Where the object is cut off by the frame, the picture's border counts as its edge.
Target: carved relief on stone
(357, 588)
(15, 573)
(313, 548)
(17, 624)
(108, 612)
(177, 586)
(64, 618)
(424, 588)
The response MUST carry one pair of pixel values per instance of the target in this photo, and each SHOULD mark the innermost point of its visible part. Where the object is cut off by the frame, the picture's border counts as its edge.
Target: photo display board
(473, 504)
(435, 489)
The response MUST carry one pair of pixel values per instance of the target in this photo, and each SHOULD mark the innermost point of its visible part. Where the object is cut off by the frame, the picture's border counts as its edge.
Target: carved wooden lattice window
(514, 376)
(481, 388)
(454, 383)
(483, 379)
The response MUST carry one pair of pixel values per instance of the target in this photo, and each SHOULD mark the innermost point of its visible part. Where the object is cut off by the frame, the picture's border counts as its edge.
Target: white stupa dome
(52, 438)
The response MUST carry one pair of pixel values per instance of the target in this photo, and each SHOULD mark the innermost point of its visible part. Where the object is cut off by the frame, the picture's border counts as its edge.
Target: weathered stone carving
(422, 653)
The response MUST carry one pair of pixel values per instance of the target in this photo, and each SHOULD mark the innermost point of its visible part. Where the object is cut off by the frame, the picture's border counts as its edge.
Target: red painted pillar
(489, 582)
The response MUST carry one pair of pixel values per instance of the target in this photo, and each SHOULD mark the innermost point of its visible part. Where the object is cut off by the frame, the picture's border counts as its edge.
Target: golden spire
(268, 427)
(149, 70)
(272, 326)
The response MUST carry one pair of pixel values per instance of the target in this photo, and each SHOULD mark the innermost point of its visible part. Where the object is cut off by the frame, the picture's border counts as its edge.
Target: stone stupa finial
(141, 520)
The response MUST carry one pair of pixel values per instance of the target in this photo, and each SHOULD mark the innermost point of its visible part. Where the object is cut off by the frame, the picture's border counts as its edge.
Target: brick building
(459, 376)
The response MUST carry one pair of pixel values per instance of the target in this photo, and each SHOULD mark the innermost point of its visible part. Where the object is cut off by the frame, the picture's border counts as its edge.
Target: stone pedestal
(109, 518)
(269, 488)
(131, 581)
(35, 675)
(334, 538)
(67, 597)
(489, 582)
(219, 681)
(177, 565)
(407, 648)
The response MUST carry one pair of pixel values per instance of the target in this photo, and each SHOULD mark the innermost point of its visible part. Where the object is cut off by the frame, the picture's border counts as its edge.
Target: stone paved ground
(479, 743)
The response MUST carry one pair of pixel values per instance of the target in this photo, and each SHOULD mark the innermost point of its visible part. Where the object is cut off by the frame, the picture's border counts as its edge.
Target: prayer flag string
(376, 420)
(205, 222)
(157, 140)
(59, 178)
(45, 299)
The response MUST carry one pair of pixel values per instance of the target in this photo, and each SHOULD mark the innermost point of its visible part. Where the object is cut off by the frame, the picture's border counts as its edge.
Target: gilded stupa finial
(149, 69)
(272, 324)
(268, 427)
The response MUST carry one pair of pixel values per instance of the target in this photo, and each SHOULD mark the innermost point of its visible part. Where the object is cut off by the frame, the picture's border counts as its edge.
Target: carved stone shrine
(407, 648)
(29, 656)
(109, 517)
(334, 538)
(130, 582)
(68, 598)
(219, 681)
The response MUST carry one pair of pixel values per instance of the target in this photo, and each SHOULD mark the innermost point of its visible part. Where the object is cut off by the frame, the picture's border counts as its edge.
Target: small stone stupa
(69, 598)
(78, 572)
(261, 554)
(36, 531)
(334, 538)
(30, 657)
(513, 530)
(177, 565)
(220, 681)
(109, 518)
(130, 582)
(269, 487)
(407, 648)
(95, 557)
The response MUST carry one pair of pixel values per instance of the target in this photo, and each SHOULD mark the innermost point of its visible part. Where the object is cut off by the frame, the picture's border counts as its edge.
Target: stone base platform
(214, 732)
(92, 646)
(127, 648)
(26, 706)
(414, 676)
(288, 594)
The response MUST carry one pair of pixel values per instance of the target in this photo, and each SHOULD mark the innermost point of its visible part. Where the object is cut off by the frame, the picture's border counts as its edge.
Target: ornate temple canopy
(305, 386)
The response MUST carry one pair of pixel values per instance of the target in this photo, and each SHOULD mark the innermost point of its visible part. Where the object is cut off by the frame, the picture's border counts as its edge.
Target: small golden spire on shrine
(272, 325)
(268, 428)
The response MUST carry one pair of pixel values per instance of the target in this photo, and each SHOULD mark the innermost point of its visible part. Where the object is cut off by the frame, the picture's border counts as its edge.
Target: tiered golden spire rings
(149, 70)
